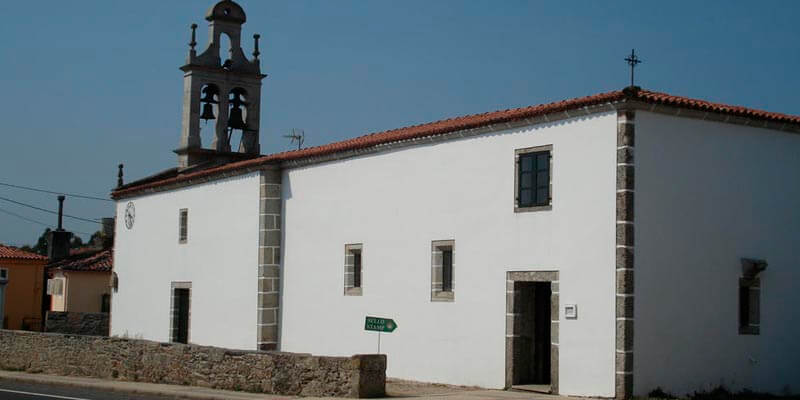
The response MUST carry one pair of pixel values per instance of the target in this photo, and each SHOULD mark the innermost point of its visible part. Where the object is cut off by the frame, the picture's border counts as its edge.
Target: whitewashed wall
(220, 259)
(397, 202)
(708, 194)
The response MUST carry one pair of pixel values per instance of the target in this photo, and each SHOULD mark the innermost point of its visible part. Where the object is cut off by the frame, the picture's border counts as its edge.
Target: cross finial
(194, 37)
(632, 61)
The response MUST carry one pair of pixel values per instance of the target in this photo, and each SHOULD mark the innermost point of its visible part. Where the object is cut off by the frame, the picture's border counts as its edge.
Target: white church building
(598, 246)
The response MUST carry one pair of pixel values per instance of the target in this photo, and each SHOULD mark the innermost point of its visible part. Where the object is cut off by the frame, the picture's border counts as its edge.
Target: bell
(208, 95)
(208, 112)
(235, 120)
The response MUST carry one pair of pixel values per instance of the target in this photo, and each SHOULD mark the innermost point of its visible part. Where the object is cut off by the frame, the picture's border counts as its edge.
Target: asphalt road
(13, 390)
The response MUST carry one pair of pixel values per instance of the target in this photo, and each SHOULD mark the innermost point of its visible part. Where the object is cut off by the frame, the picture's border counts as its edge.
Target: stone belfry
(221, 86)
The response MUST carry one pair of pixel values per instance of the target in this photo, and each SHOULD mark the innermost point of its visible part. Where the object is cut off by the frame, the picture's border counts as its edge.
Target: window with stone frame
(183, 225)
(353, 269)
(750, 296)
(443, 270)
(533, 183)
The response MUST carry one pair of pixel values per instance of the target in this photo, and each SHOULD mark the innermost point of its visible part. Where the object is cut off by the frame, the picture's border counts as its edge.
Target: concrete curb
(181, 392)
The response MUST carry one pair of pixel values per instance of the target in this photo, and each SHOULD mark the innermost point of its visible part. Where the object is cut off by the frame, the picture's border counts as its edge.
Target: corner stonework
(269, 259)
(624, 254)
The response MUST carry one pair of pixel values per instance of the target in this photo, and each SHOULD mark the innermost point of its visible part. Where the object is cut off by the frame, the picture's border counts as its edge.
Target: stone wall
(179, 364)
(77, 323)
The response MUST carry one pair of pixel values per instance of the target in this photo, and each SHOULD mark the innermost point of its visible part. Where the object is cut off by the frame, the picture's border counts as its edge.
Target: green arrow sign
(380, 324)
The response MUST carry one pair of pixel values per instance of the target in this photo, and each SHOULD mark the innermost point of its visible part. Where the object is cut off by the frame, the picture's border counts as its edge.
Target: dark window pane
(356, 269)
(744, 305)
(542, 178)
(526, 180)
(447, 270)
(543, 160)
(526, 162)
(525, 197)
(542, 196)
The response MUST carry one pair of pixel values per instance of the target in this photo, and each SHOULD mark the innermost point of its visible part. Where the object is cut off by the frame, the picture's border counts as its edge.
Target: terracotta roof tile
(86, 260)
(461, 123)
(13, 252)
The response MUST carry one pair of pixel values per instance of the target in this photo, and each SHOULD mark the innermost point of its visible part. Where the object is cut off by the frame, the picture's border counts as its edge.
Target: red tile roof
(85, 260)
(9, 252)
(466, 122)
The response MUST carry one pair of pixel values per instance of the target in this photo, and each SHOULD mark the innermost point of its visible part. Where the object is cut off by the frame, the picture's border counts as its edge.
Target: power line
(82, 196)
(25, 218)
(49, 211)
(35, 221)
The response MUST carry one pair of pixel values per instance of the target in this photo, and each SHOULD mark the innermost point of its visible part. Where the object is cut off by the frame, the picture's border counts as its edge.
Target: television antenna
(297, 135)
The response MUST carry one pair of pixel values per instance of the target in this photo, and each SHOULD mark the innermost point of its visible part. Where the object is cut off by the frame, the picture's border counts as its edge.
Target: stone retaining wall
(179, 364)
(94, 324)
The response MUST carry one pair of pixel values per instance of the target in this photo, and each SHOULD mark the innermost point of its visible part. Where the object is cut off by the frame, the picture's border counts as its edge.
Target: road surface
(14, 390)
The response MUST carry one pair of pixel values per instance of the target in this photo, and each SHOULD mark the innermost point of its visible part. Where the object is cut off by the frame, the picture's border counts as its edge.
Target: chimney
(58, 242)
(108, 232)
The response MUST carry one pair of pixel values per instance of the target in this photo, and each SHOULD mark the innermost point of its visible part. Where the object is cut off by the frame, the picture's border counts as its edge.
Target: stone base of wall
(76, 323)
(178, 364)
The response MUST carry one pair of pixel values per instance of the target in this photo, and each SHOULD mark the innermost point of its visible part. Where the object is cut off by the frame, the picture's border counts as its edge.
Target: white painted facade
(707, 195)
(396, 202)
(220, 259)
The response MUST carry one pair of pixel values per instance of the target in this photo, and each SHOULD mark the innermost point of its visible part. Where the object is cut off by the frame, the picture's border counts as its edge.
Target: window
(3, 274)
(55, 287)
(533, 183)
(105, 303)
(750, 296)
(447, 269)
(353, 269)
(442, 270)
(183, 228)
(749, 318)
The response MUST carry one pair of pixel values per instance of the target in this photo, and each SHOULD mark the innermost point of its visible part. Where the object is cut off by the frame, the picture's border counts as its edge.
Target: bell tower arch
(221, 86)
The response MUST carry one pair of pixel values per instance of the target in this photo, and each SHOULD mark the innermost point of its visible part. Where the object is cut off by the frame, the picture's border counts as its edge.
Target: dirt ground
(402, 388)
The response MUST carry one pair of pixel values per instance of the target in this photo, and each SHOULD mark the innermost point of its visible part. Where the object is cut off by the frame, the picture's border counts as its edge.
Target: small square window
(443, 270)
(183, 225)
(533, 179)
(353, 269)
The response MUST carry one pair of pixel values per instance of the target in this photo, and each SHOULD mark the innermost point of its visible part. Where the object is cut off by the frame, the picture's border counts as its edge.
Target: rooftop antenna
(632, 61)
(297, 135)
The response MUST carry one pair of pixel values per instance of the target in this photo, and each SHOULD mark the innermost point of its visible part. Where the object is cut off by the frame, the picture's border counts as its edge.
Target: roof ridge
(7, 251)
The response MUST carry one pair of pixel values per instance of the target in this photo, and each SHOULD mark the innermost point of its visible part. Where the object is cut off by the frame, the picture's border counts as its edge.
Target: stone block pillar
(624, 255)
(269, 260)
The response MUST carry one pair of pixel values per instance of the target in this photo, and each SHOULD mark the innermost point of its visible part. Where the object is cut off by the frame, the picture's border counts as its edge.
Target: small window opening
(357, 268)
(353, 269)
(183, 229)
(447, 270)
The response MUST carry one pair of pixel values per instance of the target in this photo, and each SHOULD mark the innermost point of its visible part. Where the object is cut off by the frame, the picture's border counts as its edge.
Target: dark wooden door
(182, 315)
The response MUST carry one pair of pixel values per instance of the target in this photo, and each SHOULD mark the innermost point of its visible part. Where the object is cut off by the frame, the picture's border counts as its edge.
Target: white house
(601, 246)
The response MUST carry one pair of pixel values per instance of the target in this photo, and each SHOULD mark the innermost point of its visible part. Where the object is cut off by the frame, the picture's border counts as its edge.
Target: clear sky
(92, 83)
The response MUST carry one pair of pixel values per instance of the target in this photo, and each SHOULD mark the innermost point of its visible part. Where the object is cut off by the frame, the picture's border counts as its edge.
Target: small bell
(208, 95)
(208, 112)
(236, 121)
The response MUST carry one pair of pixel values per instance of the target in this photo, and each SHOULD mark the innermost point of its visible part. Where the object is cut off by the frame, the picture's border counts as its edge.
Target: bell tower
(221, 86)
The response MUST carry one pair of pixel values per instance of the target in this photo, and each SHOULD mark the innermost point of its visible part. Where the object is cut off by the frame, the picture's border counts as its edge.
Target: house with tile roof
(597, 246)
(82, 281)
(21, 280)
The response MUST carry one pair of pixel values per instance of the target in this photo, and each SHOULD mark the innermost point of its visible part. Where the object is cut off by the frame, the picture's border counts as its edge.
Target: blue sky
(92, 83)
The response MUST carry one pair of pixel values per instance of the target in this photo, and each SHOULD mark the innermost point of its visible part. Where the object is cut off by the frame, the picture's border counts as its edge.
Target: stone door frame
(532, 276)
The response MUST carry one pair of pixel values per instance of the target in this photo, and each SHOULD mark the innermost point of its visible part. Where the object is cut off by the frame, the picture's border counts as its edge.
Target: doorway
(181, 296)
(532, 331)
